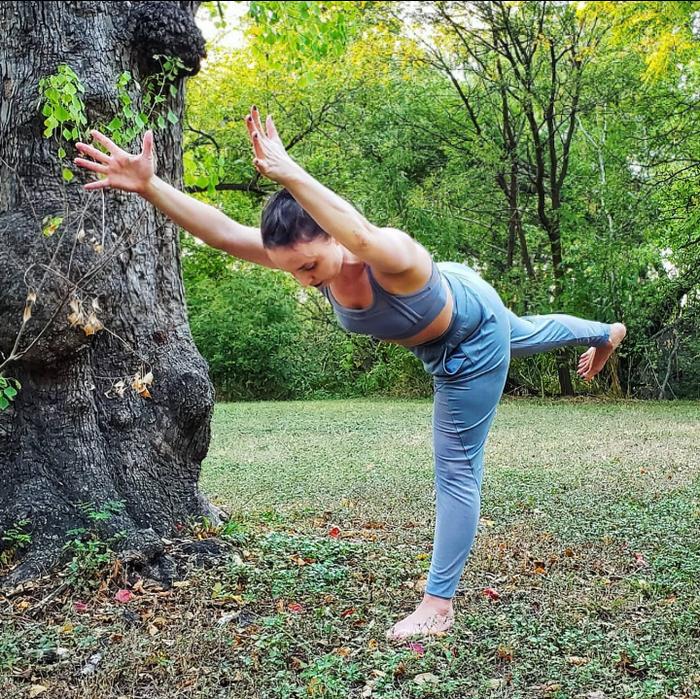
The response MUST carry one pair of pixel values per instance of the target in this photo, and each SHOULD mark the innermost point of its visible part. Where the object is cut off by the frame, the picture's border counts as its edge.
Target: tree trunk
(73, 434)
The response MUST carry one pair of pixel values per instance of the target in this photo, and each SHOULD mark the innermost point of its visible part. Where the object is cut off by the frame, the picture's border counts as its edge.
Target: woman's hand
(271, 158)
(131, 173)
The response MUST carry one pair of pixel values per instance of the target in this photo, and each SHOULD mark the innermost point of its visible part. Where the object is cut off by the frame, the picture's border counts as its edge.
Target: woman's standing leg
(466, 396)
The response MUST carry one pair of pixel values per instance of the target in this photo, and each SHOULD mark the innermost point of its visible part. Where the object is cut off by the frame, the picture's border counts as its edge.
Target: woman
(382, 282)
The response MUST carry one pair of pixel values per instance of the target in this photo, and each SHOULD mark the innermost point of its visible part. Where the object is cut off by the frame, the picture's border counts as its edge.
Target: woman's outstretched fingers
(97, 184)
(147, 146)
(255, 138)
(272, 130)
(105, 141)
(91, 165)
(256, 119)
(92, 152)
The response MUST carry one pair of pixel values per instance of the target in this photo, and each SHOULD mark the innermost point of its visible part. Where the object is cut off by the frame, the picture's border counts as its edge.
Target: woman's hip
(479, 333)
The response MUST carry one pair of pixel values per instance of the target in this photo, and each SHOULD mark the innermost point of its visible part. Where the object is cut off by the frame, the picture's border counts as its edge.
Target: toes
(585, 364)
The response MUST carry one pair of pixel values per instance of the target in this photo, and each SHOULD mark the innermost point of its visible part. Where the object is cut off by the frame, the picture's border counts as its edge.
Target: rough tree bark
(68, 438)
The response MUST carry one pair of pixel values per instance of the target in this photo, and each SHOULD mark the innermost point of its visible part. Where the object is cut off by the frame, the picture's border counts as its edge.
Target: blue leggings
(470, 366)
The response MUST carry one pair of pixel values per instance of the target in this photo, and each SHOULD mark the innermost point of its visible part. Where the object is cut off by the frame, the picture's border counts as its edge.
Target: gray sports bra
(393, 316)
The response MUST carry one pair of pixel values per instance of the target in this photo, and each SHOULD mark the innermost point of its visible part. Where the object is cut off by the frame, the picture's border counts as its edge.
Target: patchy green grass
(589, 536)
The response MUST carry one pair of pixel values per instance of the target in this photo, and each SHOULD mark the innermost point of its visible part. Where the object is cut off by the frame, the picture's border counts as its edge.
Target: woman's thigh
(467, 393)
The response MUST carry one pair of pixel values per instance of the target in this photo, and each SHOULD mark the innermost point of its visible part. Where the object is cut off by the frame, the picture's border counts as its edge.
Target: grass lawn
(584, 580)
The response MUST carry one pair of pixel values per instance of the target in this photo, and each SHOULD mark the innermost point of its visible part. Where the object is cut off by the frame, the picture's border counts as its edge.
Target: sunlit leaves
(51, 224)
(307, 30)
(664, 33)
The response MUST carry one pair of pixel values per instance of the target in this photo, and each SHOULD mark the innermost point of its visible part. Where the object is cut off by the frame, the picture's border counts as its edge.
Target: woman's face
(312, 263)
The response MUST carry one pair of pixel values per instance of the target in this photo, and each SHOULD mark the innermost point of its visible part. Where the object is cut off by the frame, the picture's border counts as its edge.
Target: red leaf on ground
(416, 648)
(334, 532)
(295, 607)
(641, 561)
(347, 612)
(491, 593)
(123, 596)
(80, 607)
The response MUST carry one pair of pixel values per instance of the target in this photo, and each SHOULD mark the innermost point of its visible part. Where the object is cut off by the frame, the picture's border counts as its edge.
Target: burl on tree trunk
(69, 437)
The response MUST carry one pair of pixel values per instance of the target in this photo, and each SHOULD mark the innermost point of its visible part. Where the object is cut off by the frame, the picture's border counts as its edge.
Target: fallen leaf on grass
(374, 525)
(640, 560)
(295, 608)
(36, 689)
(577, 660)
(298, 560)
(80, 607)
(123, 596)
(504, 653)
(491, 593)
(551, 687)
(226, 618)
(297, 663)
(417, 648)
(334, 532)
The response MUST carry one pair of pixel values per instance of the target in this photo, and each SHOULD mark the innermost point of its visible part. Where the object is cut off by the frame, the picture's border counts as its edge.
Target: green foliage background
(365, 105)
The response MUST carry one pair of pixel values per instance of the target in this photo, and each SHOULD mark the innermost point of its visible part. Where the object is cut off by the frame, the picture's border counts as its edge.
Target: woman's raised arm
(387, 249)
(136, 173)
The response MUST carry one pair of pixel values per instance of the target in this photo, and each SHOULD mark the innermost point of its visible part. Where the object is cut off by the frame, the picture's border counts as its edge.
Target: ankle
(439, 604)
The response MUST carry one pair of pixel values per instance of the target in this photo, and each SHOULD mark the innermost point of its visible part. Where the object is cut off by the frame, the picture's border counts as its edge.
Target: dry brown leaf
(92, 325)
(505, 653)
(577, 660)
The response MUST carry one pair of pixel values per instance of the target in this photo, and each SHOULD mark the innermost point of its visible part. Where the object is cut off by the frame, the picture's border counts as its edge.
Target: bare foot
(594, 358)
(433, 615)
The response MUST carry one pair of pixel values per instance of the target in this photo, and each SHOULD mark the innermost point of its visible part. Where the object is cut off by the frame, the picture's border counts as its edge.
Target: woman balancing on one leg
(383, 283)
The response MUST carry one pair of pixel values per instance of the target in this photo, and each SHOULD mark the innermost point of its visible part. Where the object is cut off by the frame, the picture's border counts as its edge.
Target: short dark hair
(285, 223)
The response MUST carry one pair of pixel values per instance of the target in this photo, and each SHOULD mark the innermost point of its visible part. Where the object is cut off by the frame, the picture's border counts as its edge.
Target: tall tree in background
(518, 69)
(113, 411)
